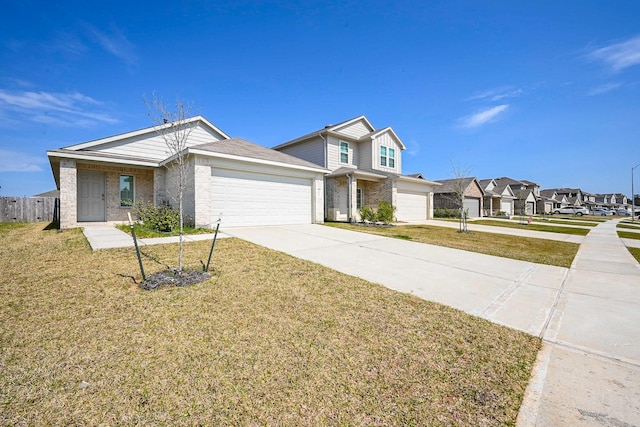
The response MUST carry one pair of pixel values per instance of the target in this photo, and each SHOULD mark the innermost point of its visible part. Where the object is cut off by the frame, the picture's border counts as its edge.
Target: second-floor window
(387, 157)
(344, 152)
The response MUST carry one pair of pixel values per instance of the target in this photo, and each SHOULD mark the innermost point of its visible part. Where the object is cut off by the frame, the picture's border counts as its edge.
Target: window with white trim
(383, 156)
(359, 198)
(126, 191)
(392, 158)
(344, 152)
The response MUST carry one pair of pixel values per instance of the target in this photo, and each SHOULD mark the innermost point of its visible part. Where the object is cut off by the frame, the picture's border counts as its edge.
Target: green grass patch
(146, 233)
(533, 227)
(541, 251)
(269, 340)
(628, 235)
(402, 236)
(629, 225)
(565, 222)
(635, 252)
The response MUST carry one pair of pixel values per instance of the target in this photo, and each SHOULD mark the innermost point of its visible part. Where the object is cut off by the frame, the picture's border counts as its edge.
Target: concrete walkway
(107, 236)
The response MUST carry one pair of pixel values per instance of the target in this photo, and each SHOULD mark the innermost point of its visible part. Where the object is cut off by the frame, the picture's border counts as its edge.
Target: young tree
(460, 184)
(170, 122)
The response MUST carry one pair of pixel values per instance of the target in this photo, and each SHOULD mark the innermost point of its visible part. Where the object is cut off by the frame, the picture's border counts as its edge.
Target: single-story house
(497, 198)
(447, 195)
(244, 183)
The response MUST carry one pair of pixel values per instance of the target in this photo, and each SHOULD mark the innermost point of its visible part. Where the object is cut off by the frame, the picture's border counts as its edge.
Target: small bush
(386, 212)
(367, 214)
(160, 218)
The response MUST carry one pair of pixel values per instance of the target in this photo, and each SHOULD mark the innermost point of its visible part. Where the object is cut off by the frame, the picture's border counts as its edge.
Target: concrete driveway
(588, 372)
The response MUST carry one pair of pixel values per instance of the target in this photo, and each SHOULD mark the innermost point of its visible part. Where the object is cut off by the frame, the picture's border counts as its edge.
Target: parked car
(573, 210)
(602, 212)
(623, 212)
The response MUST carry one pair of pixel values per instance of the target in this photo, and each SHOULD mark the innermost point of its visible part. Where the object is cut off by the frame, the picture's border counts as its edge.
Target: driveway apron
(588, 371)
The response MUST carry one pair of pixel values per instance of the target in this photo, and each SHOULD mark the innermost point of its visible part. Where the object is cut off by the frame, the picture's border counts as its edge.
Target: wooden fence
(29, 209)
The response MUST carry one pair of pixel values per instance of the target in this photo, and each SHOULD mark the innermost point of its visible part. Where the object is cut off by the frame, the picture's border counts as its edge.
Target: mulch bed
(173, 278)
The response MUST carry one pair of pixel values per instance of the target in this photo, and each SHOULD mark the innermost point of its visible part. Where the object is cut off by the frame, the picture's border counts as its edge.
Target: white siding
(152, 146)
(386, 140)
(366, 155)
(355, 130)
(311, 151)
(333, 154)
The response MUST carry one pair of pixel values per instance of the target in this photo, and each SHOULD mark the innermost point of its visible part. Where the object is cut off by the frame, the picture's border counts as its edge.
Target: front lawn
(540, 251)
(628, 235)
(533, 227)
(268, 340)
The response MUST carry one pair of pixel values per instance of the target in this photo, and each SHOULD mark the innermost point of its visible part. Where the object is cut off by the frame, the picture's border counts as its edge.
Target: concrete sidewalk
(588, 372)
(107, 236)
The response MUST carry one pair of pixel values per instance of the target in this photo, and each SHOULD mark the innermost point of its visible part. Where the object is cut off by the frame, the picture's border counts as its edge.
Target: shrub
(386, 212)
(367, 214)
(160, 218)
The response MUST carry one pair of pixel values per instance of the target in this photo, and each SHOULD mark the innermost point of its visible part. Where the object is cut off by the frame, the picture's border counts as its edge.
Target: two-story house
(365, 168)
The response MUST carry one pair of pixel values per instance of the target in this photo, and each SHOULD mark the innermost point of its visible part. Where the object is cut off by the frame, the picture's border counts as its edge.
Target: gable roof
(451, 185)
(336, 130)
(148, 130)
(238, 147)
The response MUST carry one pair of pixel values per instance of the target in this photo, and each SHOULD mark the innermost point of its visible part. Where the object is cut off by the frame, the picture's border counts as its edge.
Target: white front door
(91, 186)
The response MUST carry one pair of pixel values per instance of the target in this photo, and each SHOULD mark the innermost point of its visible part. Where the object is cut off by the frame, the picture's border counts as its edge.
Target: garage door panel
(248, 198)
(411, 206)
(472, 206)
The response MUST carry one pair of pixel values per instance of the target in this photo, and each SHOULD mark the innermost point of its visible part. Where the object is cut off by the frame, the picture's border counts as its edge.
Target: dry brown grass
(269, 340)
(539, 251)
(534, 226)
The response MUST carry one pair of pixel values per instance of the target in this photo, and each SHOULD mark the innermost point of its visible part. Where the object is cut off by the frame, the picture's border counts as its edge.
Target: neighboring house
(603, 200)
(619, 200)
(525, 193)
(246, 183)
(447, 196)
(549, 201)
(365, 167)
(497, 198)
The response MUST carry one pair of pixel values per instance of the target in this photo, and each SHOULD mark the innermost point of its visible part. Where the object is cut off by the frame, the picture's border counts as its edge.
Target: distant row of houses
(508, 196)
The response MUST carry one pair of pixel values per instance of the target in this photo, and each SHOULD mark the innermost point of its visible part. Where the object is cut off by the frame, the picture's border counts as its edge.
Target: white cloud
(608, 87)
(116, 43)
(618, 56)
(496, 94)
(483, 116)
(67, 109)
(14, 161)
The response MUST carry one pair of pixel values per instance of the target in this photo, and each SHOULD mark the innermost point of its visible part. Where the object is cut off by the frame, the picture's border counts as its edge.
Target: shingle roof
(244, 148)
(451, 185)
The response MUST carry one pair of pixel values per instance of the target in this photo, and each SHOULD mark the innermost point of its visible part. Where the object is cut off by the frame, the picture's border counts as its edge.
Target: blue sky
(547, 91)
